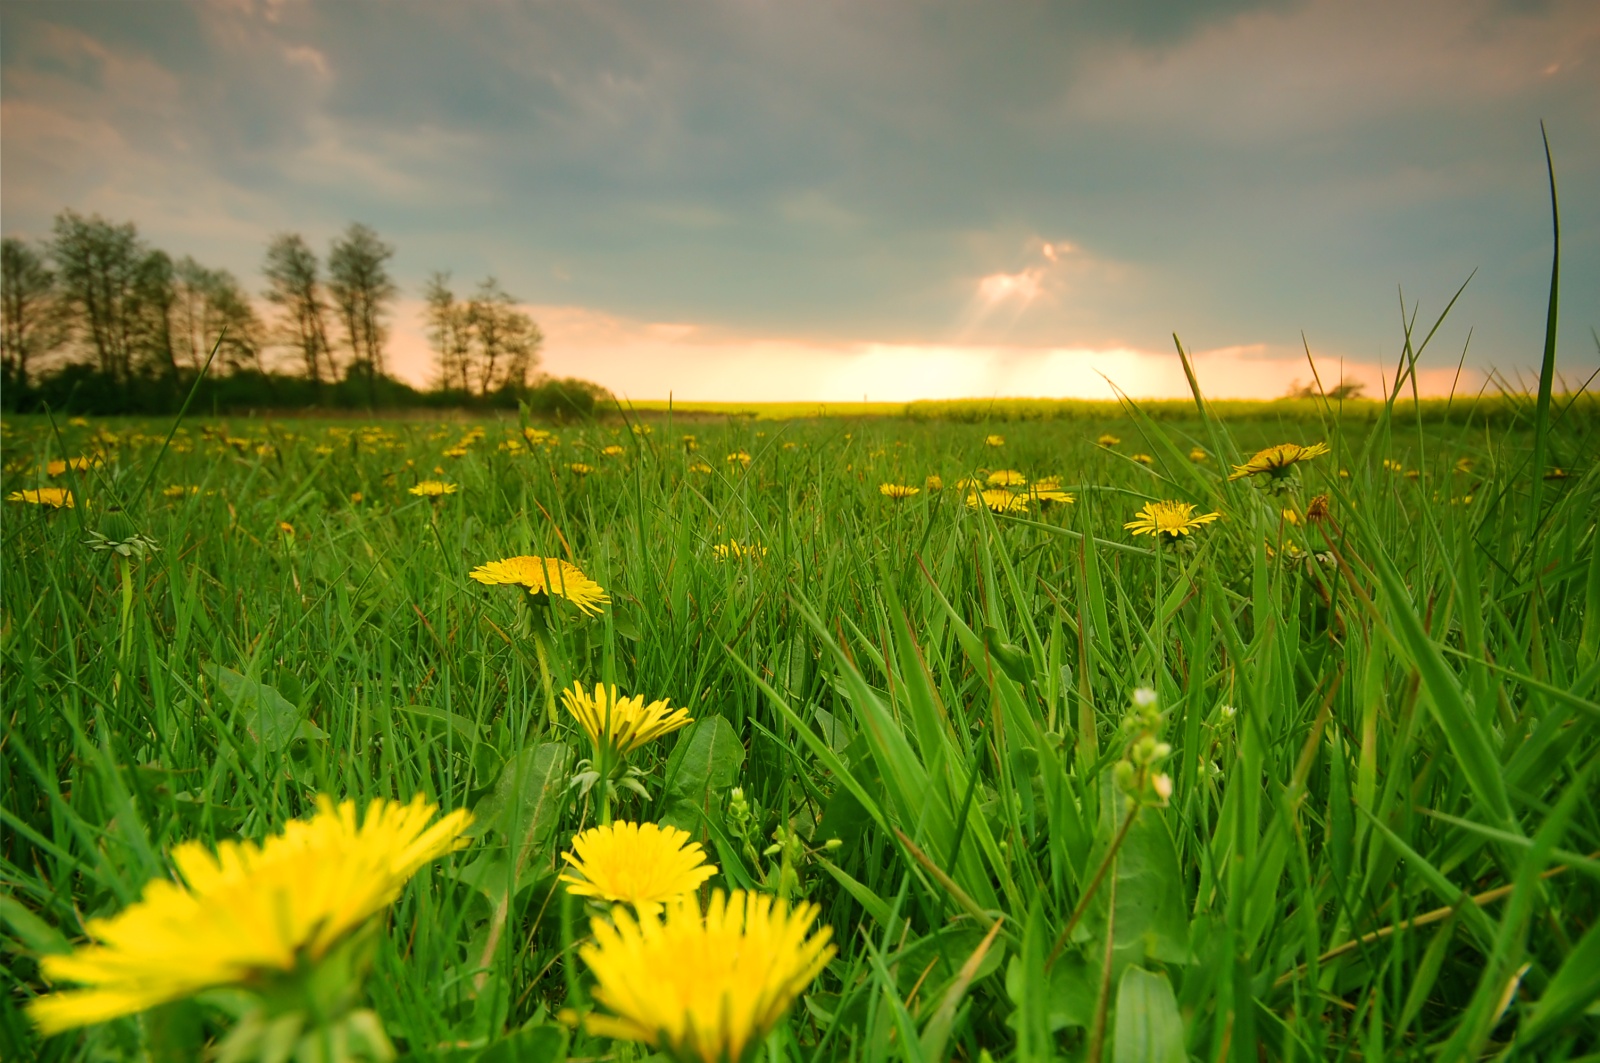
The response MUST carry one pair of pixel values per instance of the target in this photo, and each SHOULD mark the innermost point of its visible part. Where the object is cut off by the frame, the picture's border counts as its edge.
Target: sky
(892, 200)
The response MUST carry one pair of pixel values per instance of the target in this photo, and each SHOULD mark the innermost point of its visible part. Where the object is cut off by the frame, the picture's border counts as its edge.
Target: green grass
(1371, 719)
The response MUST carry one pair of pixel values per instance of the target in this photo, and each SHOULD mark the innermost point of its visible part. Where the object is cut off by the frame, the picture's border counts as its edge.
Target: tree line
(94, 316)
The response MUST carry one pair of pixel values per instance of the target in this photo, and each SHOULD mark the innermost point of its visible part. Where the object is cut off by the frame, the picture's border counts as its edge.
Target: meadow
(1314, 779)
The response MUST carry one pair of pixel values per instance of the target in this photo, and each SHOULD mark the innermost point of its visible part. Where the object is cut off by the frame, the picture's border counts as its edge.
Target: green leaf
(273, 721)
(526, 801)
(531, 1044)
(1149, 1028)
(705, 762)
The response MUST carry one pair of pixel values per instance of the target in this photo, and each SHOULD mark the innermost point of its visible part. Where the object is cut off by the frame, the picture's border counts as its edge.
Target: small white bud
(1144, 697)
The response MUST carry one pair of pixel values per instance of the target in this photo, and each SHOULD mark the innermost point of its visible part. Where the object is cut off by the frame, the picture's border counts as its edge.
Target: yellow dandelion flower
(970, 483)
(248, 912)
(1006, 478)
(1142, 459)
(613, 451)
(1277, 461)
(179, 490)
(734, 550)
(512, 446)
(700, 467)
(642, 864)
(1168, 520)
(790, 445)
(704, 989)
(1049, 490)
(1390, 465)
(641, 429)
(621, 725)
(54, 497)
(1464, 464)
(1107, 440)
(1291, 516)
(690, 443)
(57, 468)
(1556, 473)
(738, 456)
(535, 436)
(546, 576)
(355, 498)
(898, 491)
(1197, 456)
(934, 483)
(994, 441)
(433, 489)
(579, 468)
(998, 499)
(79, 422)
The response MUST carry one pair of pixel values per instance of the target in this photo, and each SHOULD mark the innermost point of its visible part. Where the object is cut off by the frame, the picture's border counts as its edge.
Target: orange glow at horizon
(646, 360)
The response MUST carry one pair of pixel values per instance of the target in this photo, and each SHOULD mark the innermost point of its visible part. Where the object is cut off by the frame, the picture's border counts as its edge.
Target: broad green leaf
(1149, 1028)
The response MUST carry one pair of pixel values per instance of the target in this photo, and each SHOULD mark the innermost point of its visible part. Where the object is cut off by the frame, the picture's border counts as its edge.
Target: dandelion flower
(739, 456)
(1556, 473)
(704, 989)
(433, 489)
(898, 491)
(57, 468)
(54, 497)
(690, 443)
(1197, 455)
(642, 864)
(733, 550)
(613, 451)
(546, 576)
(1049, 490)
(1107, 440)
(619, 724)
(998, 499)
(580, 469)
(1279, 460)
(1169, 520)
(994, 441)
(934, 483)
(1464, 464)
(247, 913)
(1142, 459)
(700, 467)
(1006, 478)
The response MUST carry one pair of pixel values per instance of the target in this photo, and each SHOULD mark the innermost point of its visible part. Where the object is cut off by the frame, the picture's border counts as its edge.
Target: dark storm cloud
(1236, 171)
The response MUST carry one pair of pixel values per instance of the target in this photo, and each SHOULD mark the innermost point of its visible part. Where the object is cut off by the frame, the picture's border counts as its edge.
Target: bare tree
(97, 265)
(507, 340)
(358, 278)
(209, 304)
(30, 321)
(294, 284)
(450, 330)
(152, 300)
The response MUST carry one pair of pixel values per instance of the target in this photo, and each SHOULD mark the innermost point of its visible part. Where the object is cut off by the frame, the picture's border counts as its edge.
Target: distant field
(1497, 407)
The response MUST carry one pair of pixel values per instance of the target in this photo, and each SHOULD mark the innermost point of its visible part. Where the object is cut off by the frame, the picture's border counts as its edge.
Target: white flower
(1144, 697)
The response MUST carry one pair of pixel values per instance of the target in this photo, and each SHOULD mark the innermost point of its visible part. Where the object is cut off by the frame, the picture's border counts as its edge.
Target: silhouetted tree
(30, 320)
(450, 331)
(97, 267)
(294, 284)
(210, 304)
(359, 281)
(507, 341)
